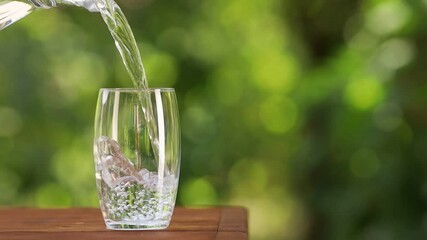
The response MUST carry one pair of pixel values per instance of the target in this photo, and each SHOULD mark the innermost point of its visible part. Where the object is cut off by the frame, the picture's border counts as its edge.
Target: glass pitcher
(13, 10)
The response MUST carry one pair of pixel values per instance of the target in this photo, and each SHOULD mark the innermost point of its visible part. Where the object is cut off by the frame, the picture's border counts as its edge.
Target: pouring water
(13, 10)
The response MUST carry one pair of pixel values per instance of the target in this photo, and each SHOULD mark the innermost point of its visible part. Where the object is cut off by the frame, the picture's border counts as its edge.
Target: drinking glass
(137, 156)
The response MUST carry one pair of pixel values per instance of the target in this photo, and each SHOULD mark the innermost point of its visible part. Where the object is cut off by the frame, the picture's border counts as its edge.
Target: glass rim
(161, 89)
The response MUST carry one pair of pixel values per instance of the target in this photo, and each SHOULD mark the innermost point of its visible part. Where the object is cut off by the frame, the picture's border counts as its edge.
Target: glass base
(137, 225)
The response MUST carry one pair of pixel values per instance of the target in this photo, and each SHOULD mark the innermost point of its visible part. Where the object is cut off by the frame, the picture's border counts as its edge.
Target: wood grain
(218, 223)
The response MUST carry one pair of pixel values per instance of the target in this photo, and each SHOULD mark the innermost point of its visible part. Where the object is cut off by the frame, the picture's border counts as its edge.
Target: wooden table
(86, 223)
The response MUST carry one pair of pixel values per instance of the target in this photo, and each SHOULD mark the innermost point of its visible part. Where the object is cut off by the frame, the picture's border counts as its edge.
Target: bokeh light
(309, 114)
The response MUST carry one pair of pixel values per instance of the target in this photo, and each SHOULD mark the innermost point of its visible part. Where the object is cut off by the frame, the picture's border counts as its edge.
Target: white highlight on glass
(114, 134)
(161, 125)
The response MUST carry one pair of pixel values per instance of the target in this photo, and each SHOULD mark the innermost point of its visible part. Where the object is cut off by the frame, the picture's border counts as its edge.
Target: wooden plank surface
(86, 223)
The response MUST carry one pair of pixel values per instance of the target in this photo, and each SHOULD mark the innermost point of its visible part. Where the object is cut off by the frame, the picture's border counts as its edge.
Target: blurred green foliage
(312, 114)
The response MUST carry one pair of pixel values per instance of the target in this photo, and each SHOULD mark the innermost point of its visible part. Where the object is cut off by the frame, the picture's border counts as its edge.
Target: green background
(312, 114)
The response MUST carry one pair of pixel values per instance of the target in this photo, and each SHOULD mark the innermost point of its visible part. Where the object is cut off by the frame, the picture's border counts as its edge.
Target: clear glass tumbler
(137, 157)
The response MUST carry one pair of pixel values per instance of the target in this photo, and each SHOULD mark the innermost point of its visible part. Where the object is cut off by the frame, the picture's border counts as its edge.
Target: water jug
(13, 10)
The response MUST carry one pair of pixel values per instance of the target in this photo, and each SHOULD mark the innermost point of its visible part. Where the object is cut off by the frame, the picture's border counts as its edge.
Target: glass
(137, 157)
(13, 10)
